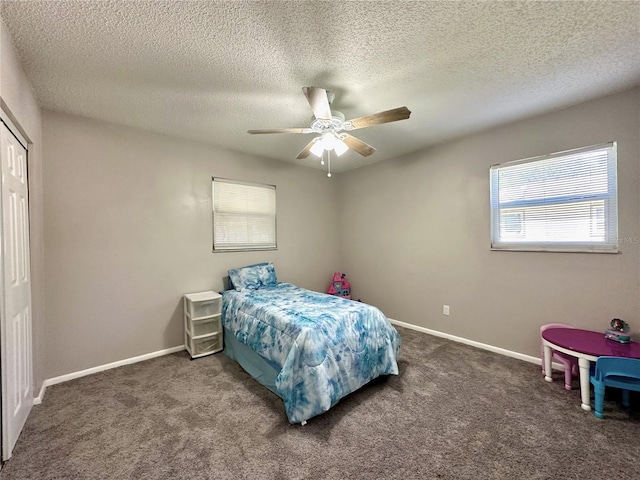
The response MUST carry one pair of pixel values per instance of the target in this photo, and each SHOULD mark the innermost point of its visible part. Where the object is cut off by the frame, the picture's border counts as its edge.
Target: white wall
(416, 236)
(128, 231)
(19, 101)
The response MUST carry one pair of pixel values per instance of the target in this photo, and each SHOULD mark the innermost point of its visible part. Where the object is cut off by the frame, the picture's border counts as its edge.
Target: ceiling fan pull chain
(329, 163)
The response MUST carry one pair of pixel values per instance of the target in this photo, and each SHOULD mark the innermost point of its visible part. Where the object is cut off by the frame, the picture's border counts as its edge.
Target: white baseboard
(38, 400)
(82, 373)
(101, 368)
(473, 343)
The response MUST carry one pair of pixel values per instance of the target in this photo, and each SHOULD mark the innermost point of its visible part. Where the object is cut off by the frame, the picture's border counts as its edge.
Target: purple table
(586, 346)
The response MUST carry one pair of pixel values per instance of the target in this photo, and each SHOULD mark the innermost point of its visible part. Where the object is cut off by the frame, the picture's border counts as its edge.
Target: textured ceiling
(211, 70)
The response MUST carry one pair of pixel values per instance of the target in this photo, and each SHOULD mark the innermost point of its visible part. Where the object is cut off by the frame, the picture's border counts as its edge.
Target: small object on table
(619, 331)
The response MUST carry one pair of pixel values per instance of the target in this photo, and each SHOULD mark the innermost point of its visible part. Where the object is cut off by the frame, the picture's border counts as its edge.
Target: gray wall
(415, 234)
(19, 102)
(128, 232)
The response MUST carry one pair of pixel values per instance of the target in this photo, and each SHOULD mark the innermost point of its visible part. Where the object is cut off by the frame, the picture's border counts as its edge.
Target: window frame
(242, 247)
(610, 244)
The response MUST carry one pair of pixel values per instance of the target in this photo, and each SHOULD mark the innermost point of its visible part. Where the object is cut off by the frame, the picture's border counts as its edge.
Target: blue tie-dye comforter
(325, 346)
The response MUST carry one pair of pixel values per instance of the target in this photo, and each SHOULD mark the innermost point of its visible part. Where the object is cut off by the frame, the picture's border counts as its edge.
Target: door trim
(17, 133)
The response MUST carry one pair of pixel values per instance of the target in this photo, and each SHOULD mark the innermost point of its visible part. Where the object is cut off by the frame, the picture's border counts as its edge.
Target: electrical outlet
(445, 309)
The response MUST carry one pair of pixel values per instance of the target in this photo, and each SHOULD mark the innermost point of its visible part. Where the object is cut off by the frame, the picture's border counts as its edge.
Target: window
(565, 201)
(244, 216)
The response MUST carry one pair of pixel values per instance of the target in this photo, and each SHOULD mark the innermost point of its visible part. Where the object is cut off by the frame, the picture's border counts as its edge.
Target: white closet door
(17, 390)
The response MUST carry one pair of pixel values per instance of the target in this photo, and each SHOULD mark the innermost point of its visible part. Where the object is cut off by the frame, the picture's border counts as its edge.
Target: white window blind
(565, 201)
(244, 215)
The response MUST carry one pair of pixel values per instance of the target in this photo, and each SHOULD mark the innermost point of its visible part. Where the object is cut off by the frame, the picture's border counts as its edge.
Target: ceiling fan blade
(304, 153)
(358, 146)
(401, 113)
(317, 98)
(282, 130)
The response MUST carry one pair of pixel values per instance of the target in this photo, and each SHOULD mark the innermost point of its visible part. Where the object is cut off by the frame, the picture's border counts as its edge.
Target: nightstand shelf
(203, 323)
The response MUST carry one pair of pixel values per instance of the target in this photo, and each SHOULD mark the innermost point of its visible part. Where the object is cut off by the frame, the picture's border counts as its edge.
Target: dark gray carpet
(454, 412)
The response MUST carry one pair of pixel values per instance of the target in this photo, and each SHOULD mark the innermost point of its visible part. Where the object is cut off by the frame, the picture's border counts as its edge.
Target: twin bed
(309, 348)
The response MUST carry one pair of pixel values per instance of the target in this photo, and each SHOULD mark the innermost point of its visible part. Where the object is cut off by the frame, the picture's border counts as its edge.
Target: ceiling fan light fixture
(340, 147)
(317, 149)
(328, 140)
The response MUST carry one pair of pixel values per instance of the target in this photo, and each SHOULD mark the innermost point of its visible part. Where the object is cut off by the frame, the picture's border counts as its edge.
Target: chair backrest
(617, 366)
(555, 325)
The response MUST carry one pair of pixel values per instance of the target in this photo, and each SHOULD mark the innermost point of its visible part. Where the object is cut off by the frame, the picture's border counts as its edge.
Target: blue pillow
(253, 276)
(268, 275)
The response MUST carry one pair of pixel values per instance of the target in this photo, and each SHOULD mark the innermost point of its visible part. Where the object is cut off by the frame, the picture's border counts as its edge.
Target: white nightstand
(202, 323)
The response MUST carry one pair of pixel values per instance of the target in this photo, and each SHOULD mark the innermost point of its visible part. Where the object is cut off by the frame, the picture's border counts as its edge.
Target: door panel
(15, 332)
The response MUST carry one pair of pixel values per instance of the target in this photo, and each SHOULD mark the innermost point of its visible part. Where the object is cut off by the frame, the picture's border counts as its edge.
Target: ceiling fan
(331, 126)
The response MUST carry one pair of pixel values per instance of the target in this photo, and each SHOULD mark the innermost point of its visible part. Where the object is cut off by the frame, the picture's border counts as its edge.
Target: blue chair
(617, 372)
